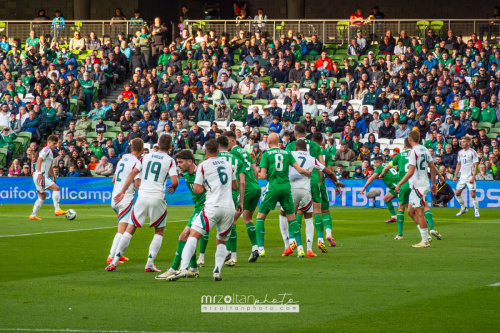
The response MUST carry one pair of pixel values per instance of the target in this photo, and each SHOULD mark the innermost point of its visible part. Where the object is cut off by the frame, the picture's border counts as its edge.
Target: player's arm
(333, 177)
(242, 186)
(411, 171)
(198, 189)
(438, 174)
(474, 173)
(38, 170)
(137, 183)
(457, 169)
(300, 170)
(127, 183)
(385, 170)
(113, 181)
(255, 171)
(52, 174)
(368, 182)
(433, 177)
(173, 186)
(263, 173)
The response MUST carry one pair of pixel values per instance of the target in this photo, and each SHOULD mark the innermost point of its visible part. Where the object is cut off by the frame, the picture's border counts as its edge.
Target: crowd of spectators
(364, 103)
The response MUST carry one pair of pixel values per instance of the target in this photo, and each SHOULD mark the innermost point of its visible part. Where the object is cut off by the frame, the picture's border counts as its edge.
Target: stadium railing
(328, 31)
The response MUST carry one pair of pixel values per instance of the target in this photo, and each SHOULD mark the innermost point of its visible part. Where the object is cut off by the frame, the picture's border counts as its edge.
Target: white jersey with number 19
(419, 157)
(216, 175)
(155, 169)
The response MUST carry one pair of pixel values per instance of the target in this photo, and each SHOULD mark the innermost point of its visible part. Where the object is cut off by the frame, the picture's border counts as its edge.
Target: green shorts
(391, 191)
(195, 213)
(315, 191)
(325, 201)
(273, 197)
(251, 200)
(404, 194)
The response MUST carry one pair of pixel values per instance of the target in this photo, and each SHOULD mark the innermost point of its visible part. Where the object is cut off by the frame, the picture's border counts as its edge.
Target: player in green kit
(325, 201)
(252, 190)
(185, 162)
(401, 160)
(238, 195)
(391, 180)
(274, 165)
(315, 151)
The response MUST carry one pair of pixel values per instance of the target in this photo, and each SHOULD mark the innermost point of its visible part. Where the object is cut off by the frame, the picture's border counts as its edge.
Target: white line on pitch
(63, 231)
(73, 330)
(494, 285)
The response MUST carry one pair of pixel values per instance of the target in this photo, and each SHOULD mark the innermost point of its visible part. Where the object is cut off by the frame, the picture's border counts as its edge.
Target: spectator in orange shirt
(93, 162)
(357, 18)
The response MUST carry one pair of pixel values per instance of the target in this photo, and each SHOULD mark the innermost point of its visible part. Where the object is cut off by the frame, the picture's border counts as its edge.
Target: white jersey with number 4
(216, 175)
(419, 157)
(467, 158)
(123, 169)
(47, 158)
(307, 162)
(155, 168)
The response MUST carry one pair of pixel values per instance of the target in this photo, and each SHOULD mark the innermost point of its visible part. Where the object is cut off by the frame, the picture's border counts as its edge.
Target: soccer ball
(71, 214)
(373, 193)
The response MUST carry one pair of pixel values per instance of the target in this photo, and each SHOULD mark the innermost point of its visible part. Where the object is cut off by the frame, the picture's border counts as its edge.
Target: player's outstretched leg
(401, 218)
(56, 196)
(261, 232)
(122, 246)
(392, 211)
(429, 217)
(36, 207)
(461, 201)
(203, 247)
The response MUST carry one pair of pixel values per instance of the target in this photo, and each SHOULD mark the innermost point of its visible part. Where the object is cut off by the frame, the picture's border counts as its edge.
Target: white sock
(299, 248)
(122, 246)
(201, 257)
(476, 203)
(261, 248)
(328, 231)
(233, 255)
(424, 234)
(188, 251)
(255, 248)
(154, 248)
(37, 206)
(320, 239)
(461, 201)
(56, 196)
(220, 255)
(284, 230)
(309, 233)
(116, 241)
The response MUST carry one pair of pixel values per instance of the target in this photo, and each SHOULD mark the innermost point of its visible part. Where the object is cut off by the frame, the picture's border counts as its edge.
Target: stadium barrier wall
(14, 190)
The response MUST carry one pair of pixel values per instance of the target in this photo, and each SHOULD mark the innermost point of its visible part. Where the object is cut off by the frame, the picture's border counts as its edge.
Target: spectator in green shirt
(51, 115)
(488, 115)
(32, 40)
(88, 89)
(96, 149)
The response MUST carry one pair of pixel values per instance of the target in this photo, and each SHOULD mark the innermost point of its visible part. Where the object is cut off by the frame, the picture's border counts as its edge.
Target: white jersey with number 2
(155, 168)
(216, 175)
(307, 162)
(419, 157)
(123, 169)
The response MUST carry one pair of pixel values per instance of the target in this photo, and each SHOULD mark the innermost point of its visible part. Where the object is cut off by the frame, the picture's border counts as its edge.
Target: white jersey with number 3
(155, 169)
(216, 175)
(123, 169)
(467, 158)
(419, 157)
(307, 162)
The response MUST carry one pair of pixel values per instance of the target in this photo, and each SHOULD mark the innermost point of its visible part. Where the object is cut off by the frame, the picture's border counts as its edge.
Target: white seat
(356, 101)
(384, 141)
(334, 118)
(397, 145)
(392, 111)
(205, 128)
(250, 108)
(383, 146)
(398, 142)
(237, 123)
(221, 123)
(275, 90)
(204, 123)
(320, 107)
(368, 134)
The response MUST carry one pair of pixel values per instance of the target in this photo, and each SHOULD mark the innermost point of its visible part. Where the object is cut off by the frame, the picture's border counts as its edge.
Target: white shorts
(418, 196)
(302, 200)
(462, 182)
(44, 185)
(155, 209)
(220, 217)
(124, 210)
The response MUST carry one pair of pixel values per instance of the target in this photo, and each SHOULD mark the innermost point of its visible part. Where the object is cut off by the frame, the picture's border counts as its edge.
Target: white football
(71, 214)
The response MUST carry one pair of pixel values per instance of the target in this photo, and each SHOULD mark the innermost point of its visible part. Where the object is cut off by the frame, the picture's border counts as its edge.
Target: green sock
(401, 219)
(390, 207)
(293, 225)
(299, 217)
(430, 219)
(192, 262)
(203, 243)
(178, 255)
(327, 218)
(261, 231)
(233, 239)
(318, 225)
(251, 233)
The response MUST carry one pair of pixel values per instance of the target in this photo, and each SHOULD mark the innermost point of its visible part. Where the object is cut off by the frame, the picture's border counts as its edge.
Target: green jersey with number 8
(277, 162)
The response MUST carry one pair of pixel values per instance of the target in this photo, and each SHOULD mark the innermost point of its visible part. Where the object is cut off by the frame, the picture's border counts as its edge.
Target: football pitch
(52, 277)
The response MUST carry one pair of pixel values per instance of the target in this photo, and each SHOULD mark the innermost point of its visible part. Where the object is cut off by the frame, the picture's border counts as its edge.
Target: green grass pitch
(52, 277)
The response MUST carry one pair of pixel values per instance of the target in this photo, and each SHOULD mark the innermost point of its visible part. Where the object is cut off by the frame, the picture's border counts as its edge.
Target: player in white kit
(42, 180)
(467, 164)
(155, 168)
(301, 196)
(124, 207)
(419, 159)
(215, 177)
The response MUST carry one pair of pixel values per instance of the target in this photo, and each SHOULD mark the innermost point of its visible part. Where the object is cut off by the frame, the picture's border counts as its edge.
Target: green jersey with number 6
(198, 198)
(391, 178)
(250, 182)
(277, 162)
(237, 166)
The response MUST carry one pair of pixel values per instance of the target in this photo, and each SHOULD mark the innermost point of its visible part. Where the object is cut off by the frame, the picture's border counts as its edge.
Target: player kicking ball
(419, 159)
(185, 162)
(43, 182)
(215, 177)
(124, 207)
(156, 167)
(467, 164)
(274, 166)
